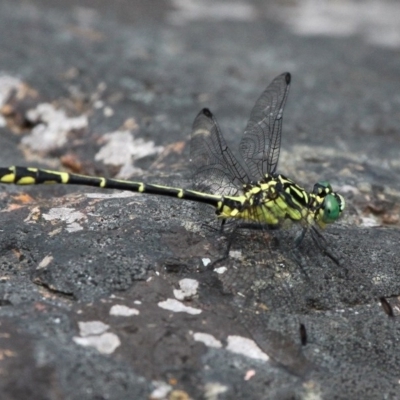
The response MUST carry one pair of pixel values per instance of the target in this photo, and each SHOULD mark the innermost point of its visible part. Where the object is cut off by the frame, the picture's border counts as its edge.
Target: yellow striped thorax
(276, 199)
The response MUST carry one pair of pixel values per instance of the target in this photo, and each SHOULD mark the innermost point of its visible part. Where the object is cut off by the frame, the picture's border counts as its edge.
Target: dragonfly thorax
(276, 199)
(270, 201)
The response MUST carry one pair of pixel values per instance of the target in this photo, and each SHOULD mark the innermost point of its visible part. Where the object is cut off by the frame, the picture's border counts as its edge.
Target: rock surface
(88, 276)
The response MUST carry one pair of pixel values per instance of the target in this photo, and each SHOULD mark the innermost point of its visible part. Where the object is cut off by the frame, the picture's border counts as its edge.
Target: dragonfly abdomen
(36, 176)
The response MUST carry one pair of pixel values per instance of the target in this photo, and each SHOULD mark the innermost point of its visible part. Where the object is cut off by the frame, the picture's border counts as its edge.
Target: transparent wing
(215, 169)
(261, 141)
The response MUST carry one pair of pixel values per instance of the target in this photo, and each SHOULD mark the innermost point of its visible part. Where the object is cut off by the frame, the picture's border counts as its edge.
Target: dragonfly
(245, 191)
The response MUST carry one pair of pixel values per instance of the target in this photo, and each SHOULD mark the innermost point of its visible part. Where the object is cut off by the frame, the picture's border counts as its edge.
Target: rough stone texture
(68, 255)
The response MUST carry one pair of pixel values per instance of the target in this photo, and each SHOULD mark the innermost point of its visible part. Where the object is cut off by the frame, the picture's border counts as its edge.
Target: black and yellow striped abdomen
(36, 176)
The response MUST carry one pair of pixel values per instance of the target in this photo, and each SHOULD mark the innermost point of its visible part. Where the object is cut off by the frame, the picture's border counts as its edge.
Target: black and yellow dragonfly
(246, 192)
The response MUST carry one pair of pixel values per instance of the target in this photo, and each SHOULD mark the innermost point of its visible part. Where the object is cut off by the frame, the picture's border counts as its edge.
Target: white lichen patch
(51, 127)
(122, 149)
(176, 306)
(87, 328)
(207, 339)
(188, 289)
(94, 334)
(123, 311)
(246, 347)
(220, 270)
(105, 343)
(205, 261)
(68, 215)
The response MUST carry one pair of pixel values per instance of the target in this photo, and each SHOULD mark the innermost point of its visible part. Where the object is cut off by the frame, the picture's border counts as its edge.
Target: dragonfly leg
(299, 239)
(228, 246)
(221, 229)
(320, 241)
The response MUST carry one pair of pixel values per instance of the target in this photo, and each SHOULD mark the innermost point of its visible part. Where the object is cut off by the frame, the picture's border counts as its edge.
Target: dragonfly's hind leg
(299, 239)
(221, 229)
(230, 238)
(321, 243)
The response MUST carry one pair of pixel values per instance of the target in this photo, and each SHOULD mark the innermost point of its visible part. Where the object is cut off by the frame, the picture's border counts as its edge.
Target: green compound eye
(332, 207)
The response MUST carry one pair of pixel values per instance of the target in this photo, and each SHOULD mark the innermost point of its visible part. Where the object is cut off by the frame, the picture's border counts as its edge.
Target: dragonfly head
(329, 204)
